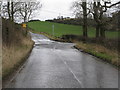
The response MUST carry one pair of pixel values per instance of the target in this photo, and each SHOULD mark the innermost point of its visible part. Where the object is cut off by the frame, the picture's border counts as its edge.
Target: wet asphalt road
(58, 65)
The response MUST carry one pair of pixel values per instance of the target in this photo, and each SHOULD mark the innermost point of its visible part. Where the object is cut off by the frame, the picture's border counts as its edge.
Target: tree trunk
(102, 32)
(12, 11)
(8, 9)
(84, 19)
(25, 17)
(97, 31)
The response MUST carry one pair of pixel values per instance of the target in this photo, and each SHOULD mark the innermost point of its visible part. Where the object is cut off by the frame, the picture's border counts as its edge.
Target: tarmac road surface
(58, 65)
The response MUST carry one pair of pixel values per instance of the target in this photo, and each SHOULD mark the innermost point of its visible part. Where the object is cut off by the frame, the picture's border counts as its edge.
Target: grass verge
(14, 56)
(99, 51)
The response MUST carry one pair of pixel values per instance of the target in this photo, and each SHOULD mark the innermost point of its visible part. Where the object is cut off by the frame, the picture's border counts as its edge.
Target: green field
(63, 29)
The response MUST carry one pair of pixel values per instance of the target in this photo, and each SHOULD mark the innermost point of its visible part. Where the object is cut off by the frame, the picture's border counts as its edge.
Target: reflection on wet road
(58, 65)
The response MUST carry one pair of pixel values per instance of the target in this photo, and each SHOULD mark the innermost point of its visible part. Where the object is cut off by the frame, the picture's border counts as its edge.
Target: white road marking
(72, 72)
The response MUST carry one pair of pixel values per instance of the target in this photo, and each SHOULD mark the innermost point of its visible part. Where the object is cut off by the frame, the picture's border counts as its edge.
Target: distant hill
(34, 20)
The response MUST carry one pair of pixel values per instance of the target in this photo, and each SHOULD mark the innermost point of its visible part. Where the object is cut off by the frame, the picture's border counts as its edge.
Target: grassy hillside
(63, 29)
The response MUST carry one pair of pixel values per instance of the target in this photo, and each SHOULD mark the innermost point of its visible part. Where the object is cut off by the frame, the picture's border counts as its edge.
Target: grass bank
(17, 45)
(100, 51)
(14, 56)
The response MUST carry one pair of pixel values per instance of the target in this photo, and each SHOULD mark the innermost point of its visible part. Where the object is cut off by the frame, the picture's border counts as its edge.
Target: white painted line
(72, 72)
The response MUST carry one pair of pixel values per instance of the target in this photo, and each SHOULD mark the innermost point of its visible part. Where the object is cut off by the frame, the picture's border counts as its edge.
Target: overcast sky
(53, 8)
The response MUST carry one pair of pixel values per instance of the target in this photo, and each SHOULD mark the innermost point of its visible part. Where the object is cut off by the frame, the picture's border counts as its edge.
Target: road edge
(14, 71)
(80, 49)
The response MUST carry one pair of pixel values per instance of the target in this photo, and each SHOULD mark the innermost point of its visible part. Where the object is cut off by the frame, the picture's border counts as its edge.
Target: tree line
(96, 9)
(17, 11)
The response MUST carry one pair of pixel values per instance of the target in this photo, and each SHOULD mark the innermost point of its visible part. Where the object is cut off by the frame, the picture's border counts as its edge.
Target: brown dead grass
(14, 55)
(111, 56)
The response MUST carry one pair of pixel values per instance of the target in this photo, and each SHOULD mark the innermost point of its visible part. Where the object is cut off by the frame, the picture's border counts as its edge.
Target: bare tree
(84, 7)
(81, 10)
(27, 9)
(9, 9)
(19, 10)
(77, 9)
(99, 8)
(0, 8)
